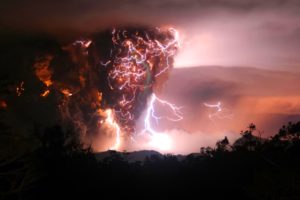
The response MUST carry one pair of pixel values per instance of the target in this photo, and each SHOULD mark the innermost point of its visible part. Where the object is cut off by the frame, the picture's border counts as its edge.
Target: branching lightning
(137, 60)
(151, 113)
(157, 139)
(220, 112)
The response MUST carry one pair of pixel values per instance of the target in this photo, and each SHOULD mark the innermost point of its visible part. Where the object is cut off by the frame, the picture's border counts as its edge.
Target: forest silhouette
(50, 165)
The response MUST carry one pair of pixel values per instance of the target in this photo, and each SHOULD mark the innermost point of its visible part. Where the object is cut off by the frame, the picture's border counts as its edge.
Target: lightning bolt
(150, 114)
(110, 120)
(157, 139)
(134, 64)
(220, 112)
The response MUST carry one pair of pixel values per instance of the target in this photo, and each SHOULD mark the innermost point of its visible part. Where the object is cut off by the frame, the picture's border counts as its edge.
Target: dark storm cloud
(206, 91)
(215, 83)
(88, 15)
(236, 32)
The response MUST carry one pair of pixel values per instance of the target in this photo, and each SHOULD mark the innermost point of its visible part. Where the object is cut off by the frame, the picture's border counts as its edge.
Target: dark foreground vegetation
(250, 168)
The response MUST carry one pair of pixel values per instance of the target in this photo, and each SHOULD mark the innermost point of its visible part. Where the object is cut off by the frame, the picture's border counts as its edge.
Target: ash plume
(100, 84)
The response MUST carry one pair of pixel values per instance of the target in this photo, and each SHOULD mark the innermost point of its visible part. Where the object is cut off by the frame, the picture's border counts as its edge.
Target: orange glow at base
(112, 123)
(45, 93)
(161, 142)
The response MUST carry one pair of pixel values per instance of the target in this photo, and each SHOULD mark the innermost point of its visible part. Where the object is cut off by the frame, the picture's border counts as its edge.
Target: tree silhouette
(223, 145)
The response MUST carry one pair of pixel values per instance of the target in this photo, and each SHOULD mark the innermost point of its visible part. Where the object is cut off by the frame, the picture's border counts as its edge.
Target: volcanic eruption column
(137, 64)
(114, 89)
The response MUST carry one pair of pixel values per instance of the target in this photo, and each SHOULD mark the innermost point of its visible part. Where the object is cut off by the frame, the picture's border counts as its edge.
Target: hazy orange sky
(265, 97)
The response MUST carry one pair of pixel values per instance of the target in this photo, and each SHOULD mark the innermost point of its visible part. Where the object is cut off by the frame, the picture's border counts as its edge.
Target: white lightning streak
(220, 113)
(151, 113)
(112, 123)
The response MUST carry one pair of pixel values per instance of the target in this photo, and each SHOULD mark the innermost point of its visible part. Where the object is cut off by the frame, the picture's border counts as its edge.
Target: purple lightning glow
(151, 113)
(157, 139)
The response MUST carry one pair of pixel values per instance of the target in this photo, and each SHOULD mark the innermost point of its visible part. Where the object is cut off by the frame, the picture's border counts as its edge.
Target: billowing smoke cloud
(101, 84)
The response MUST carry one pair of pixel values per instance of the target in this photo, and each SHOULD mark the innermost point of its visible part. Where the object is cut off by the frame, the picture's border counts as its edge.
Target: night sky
(244, 54)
